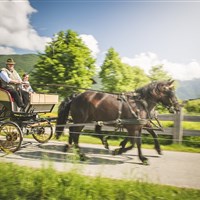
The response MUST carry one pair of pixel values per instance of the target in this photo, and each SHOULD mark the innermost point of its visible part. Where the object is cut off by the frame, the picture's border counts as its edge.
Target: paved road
(172, 168)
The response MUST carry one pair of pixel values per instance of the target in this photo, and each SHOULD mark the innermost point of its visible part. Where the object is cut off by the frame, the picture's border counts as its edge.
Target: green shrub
(193, 106)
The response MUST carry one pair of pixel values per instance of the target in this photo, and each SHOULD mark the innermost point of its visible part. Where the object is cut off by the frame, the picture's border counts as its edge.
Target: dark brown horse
(143, 96)
(93, 106)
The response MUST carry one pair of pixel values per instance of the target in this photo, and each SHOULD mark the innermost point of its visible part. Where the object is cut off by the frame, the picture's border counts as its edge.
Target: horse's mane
(146, 90)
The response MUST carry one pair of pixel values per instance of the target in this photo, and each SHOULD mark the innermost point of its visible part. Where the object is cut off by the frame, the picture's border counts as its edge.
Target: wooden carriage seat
(39, 103)
(42, 103)
(6, 100)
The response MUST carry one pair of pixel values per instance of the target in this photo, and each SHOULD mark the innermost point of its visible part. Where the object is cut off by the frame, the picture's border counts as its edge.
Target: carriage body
(14, 123)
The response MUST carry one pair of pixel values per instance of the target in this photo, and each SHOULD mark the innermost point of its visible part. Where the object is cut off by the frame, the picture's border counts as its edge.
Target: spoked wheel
(10, 137)
(42, 132)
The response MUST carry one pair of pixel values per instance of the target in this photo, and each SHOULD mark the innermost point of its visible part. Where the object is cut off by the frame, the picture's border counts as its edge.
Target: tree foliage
(67, 60)
(139, 77)
(119, 77)
(158, 73)
(193, 106)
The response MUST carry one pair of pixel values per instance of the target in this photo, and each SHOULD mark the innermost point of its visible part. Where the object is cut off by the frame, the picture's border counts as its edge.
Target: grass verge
(22, 183)
(146, 144)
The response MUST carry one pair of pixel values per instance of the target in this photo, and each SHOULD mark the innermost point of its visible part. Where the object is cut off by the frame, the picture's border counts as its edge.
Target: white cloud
(178, 71)
(6, 50)
(91, 43)
(15, 28)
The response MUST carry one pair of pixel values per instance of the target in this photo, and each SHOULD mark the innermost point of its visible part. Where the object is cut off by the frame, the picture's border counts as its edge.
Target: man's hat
(10, 61)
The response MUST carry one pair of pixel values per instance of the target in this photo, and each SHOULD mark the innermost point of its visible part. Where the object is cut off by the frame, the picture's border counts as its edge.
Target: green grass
(22, 183)
(191, 125)
(148, 144)
(186, 125)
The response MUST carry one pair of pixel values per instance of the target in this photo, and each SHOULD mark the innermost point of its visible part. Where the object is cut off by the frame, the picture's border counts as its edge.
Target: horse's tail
(63, 113)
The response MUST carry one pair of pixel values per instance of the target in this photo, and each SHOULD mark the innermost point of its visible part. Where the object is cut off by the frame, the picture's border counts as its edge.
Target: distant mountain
(25, 63)
(188, 89)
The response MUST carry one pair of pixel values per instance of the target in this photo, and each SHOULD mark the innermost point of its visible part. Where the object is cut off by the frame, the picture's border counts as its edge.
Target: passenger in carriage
(11, 81)
(26, 84)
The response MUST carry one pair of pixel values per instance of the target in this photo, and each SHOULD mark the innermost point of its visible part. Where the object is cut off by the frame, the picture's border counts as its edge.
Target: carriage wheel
(42, 132)
(10, 137)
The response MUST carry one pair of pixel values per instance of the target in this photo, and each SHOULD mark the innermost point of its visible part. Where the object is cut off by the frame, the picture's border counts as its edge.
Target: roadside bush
(191, 141)
(193, 106)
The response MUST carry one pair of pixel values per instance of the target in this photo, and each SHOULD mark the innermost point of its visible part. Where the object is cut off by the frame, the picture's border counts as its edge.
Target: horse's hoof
(159, 151)
(66, 148)
(145, 162)
(83, 157)
(115, 152)
(107, 147)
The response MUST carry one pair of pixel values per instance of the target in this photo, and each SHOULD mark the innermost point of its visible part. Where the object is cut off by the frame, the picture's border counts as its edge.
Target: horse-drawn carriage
(130, 112)
(14, 123)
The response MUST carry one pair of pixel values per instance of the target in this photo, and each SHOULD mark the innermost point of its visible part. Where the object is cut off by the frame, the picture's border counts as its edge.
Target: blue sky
(144, 33)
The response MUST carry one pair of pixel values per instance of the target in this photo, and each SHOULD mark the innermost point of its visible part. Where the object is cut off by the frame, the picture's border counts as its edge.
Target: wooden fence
(177, 130)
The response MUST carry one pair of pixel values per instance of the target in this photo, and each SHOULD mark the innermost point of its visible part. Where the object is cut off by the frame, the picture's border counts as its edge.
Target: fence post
(178, 127)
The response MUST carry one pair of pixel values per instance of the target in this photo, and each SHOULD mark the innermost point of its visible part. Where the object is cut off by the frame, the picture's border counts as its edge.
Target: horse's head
(166, 95)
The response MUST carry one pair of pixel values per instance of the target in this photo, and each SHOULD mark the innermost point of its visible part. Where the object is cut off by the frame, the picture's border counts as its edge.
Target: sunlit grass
(191, 125)
(186, 125)
(115, 142)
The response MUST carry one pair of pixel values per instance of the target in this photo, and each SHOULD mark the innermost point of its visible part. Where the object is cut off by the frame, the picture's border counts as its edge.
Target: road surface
(172, 168)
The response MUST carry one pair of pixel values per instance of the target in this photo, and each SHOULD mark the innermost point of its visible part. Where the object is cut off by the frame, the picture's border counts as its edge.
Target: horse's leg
(70, 142)
(123, 144)
(75, 133)
(155, 138)
(156, 142)
(102, 137)
(139, 142)
(71, 138)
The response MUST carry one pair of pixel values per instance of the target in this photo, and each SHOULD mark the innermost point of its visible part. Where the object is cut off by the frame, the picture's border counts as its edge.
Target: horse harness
(136, 119)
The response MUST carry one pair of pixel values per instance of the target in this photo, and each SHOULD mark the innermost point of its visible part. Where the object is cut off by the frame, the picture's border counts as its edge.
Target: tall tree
(158, 73)
(112, 72)
(140, 78)
(67, 60)
(119, 77)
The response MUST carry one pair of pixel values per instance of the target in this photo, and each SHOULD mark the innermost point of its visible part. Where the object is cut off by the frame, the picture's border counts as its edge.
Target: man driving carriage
(11, 81)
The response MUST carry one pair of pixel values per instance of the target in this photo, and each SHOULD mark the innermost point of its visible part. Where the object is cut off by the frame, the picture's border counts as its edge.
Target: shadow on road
(92, 155)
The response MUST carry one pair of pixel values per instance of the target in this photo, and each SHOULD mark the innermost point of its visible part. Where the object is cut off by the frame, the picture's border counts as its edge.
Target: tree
(67, 60)
(119, 77)
(158, 73)
(112, 72)
(139, 77)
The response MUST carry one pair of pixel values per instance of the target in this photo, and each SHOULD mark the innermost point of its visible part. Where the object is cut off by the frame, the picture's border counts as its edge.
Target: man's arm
(4, 76)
